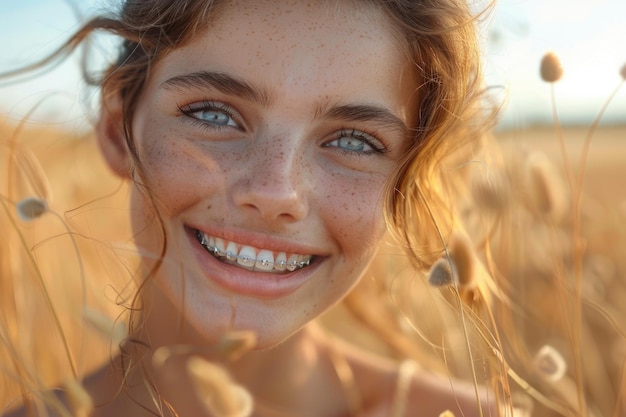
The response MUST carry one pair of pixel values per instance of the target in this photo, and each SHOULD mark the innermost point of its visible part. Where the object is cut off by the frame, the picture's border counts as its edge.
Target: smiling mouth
(251, 258)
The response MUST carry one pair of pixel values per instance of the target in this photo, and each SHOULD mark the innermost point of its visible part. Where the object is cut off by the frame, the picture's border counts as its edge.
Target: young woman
(268, 146)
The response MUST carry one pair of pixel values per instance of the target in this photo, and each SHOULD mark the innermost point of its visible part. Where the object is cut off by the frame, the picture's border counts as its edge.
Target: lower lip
(252, 283)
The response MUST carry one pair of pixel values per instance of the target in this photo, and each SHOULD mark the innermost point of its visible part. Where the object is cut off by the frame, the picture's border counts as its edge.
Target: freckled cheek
(178, 173)
(354, 212)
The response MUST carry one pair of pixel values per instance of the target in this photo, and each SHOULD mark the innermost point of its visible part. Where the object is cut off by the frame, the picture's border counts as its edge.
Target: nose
(272, 185)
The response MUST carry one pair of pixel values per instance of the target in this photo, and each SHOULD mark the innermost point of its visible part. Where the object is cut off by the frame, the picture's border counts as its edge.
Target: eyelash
(372, 141)
(208, 106)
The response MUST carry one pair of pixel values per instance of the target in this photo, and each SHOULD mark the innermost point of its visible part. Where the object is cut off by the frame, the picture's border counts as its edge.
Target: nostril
(272, 189)
(270, 203)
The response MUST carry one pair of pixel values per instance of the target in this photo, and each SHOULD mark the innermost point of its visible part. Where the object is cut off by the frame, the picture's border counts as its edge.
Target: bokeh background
(531, 245)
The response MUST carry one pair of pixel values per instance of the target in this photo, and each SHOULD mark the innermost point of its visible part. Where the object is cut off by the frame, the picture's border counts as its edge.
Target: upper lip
(260, 240)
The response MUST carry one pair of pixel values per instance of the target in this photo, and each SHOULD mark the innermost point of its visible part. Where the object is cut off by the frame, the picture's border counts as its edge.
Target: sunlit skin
(276, 128)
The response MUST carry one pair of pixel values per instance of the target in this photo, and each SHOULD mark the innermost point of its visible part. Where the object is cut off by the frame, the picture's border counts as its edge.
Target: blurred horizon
(587, 37)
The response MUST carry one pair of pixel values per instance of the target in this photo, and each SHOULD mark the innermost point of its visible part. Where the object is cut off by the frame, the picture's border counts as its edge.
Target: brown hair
(443, 46)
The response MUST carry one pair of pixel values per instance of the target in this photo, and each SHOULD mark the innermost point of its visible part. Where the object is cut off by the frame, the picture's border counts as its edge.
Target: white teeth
(264, 261)
(231, 251)
(280, 263)
(219, 245)
(292, 262)
(250, 257)
(247, 256)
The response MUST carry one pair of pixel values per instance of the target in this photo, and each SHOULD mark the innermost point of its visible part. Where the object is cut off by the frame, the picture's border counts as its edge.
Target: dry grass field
(571, 298)
(572, 295)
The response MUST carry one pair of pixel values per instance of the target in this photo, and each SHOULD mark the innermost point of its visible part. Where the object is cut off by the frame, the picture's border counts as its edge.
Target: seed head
(458, 267)
(544, 188)
(31, 208)
(78, 398)
(236, 343)
(493, 194)
(550, 363)
(216, 389)
(551, 69)
(442, 273)
(462, 254)
(105, 325)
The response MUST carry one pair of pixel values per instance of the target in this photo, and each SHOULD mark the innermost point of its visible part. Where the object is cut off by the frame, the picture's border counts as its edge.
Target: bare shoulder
(405, 389)
(430, 394)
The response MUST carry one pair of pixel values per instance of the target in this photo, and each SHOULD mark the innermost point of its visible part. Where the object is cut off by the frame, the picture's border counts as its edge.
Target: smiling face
(266, 143)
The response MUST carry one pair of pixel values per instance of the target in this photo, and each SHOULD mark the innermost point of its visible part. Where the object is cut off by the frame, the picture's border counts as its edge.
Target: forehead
(307, 21)
(292, 46)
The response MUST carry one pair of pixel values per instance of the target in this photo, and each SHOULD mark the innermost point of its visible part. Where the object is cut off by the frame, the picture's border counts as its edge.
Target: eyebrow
(367, 113)
(231, 85)
(224, 83)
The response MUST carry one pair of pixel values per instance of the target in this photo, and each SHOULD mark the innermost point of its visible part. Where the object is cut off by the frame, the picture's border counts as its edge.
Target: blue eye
(356, 142)
(216, 118)
(213, 114)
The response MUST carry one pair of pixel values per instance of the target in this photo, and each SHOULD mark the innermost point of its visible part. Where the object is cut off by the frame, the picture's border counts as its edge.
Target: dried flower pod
(551, 69)
(464, 259)
(458, 267)
(544, 187)
(162, 354)
(442, 273)
(492, 194)
(622, 72)
(31, 208)
(105, 325)
(78, 398)
(523, 405)
(236, 343)
(550, 363)
(217, 391)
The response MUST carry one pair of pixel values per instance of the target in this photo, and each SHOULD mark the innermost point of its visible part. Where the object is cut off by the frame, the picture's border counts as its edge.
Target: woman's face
(266, 143)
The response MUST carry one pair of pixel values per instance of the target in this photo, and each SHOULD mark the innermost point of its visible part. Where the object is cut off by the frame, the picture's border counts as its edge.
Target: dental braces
(247, 261)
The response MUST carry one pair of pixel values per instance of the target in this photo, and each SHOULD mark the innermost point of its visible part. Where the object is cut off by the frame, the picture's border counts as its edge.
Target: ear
(111, 137)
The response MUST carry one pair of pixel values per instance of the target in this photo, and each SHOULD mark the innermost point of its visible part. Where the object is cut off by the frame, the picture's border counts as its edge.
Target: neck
(296, 375)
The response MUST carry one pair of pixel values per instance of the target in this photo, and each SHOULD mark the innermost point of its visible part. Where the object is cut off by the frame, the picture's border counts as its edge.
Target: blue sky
(589, 36)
